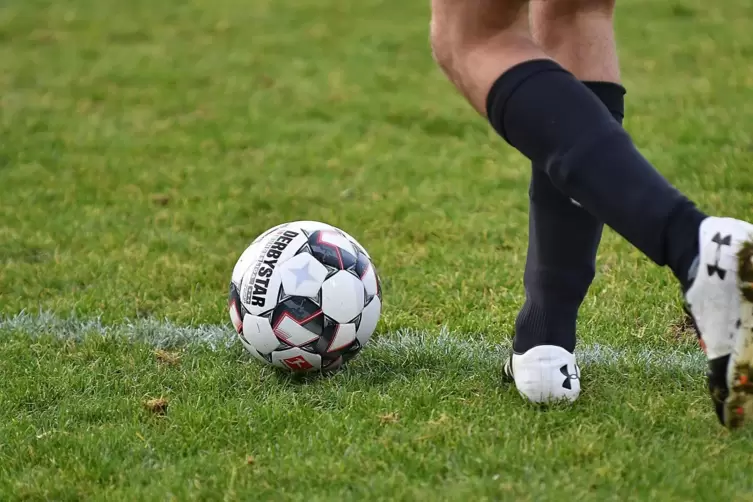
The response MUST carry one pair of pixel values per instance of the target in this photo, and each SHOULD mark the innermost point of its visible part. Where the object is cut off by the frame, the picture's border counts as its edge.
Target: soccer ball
(304, 296)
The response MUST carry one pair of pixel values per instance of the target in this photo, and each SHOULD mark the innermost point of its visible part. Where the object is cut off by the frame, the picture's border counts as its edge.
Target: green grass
(144, 144)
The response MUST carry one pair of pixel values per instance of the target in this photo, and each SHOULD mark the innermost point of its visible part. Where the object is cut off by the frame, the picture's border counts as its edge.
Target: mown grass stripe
(458, 347)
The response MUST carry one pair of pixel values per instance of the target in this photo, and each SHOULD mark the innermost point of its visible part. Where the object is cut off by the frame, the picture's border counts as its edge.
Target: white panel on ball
(260, 288)
(259, 334)
(344, 335)
(342, 297)
(269, 232)
(297, 360)
(369, 280)
(283, 245)
(261, 246)
(355, 242)
(302, 275)
(248, 258)
(311, 226)
(335, 238)
(369, 320)
(260, 285)
(288, 330)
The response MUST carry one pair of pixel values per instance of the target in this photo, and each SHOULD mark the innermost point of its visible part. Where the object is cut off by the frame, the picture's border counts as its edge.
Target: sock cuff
(536, 325)
(611, 94)
(507, 83)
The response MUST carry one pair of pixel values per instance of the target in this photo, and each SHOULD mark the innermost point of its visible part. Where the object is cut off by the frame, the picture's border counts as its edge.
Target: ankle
(537, 325)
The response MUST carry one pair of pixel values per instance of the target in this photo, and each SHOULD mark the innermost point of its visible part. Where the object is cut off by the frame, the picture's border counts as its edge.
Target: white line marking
(405, 344)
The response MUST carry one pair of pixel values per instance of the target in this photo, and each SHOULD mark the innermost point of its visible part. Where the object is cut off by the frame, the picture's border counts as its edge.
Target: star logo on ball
(302, 274)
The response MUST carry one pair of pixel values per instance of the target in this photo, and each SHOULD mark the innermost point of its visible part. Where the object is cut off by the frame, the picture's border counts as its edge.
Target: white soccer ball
(304, 296)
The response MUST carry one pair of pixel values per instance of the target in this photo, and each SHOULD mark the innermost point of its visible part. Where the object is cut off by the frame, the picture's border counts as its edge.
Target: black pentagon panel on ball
(379, 285)
(362, 265)
(234, 299)
(357, 246)
(352, 351)
(330, 364)
(235, 303)
(325, 347)
(304, 249)
(318, 298)
(294, 313)
(281, 296)
(357, 320)
(330, 254)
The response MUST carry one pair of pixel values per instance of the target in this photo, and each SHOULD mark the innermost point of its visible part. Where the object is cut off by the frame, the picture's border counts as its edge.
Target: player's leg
(563, 237)
(486, 49)
(579, 35)
(553, 119)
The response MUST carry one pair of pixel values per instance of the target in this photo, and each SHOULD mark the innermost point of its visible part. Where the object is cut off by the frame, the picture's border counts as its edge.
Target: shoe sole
(507, 375)
(738, 407)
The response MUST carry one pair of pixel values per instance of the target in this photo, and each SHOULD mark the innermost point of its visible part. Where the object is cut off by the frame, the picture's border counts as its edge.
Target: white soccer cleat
(720, 301)
(545, 374)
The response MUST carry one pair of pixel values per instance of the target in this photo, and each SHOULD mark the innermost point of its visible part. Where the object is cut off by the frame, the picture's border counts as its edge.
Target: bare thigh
(475, 41)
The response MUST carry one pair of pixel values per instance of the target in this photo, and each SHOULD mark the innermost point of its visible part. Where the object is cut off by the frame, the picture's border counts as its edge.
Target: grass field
(144, 144)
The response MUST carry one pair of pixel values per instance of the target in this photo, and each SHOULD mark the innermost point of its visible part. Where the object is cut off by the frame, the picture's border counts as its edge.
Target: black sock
(561, 262)
(554, 120)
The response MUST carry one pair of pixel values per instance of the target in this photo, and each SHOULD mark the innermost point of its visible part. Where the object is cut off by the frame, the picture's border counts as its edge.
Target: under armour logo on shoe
(568, 376)
(713, 269)
(719, 241)
(722, 241)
